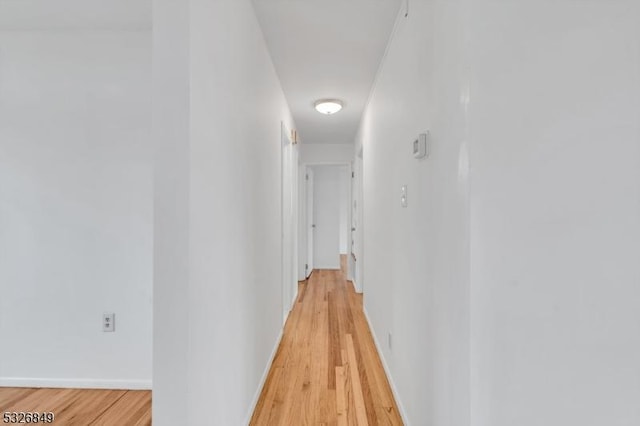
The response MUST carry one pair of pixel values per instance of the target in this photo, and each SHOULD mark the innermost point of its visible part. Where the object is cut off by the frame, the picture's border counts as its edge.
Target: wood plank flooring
(81, 407)
(327, 370)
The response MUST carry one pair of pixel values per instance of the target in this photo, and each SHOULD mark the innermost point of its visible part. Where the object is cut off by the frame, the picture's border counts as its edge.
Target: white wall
(416, 258)
(510, 283)
(171, 109)
(228, 170)
(75, 208)
(555, 228)
(319, 153)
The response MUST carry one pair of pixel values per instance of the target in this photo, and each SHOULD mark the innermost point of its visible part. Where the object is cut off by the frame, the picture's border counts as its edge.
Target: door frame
(288, 220)
(302, 238)
(309, 218)
(358, 235)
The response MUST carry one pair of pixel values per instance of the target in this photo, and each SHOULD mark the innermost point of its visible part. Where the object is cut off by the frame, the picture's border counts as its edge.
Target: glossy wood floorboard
(81, 407)
(327, 370)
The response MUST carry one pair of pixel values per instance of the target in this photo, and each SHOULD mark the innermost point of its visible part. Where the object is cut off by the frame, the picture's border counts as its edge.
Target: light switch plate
(403, 196)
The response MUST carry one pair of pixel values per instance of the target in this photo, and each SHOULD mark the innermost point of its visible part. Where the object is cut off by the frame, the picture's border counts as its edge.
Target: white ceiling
(74, 14)
(327, 49)
(320, 48)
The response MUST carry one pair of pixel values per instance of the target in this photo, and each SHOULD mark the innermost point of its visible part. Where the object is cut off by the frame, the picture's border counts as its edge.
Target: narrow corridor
(327, 369)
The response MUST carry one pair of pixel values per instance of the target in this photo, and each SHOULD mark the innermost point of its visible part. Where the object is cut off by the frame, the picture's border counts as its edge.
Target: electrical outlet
(108, 322)
(389, 340)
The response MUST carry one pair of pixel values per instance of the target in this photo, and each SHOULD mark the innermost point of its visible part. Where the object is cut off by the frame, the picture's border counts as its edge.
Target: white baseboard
(19, 382)
(265, 374)
(394, 390)
(357, 287)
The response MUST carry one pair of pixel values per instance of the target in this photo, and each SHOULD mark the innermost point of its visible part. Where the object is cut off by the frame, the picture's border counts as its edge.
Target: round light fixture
(328, 106)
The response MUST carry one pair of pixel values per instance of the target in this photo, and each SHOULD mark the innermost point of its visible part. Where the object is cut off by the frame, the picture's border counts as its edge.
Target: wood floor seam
(107, 409)
(81, 407)
(327, 370)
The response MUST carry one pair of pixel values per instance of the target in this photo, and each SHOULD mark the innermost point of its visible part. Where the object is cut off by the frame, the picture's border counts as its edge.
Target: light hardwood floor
(327, 370)
(81, 407)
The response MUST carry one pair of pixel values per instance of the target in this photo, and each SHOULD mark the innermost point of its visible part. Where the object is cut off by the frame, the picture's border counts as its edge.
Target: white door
(310, 221)
(301, 219)
(354, 226)
(326, 203)
(358, 235)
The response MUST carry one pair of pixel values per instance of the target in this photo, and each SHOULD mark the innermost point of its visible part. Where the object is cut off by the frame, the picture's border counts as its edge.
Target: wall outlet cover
(109, 322)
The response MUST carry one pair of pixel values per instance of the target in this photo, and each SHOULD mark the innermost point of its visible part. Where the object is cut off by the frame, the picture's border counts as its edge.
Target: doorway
(327, 216)
(310, 228)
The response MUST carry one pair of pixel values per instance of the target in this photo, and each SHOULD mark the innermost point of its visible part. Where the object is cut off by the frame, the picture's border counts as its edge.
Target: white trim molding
(33, 382)
(394, 390)
(265, 374)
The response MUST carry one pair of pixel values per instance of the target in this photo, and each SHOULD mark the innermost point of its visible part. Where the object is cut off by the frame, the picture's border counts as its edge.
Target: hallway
(327, 369)
(171, 172)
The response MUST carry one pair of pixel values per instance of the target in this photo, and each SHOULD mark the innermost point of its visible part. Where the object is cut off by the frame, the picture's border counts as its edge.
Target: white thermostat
(420, 146)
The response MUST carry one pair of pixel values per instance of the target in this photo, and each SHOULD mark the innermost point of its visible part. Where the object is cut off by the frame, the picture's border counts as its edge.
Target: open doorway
(325, 239)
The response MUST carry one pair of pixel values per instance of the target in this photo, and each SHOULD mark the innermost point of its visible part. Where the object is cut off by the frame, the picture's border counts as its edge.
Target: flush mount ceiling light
(328, 106)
